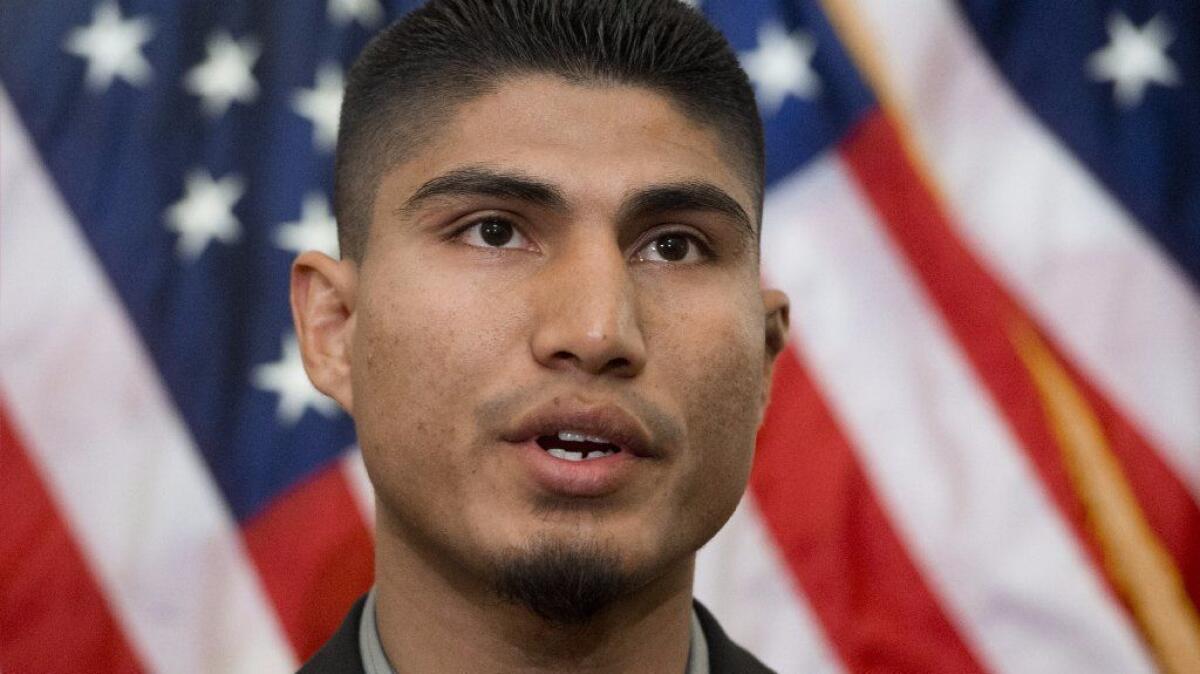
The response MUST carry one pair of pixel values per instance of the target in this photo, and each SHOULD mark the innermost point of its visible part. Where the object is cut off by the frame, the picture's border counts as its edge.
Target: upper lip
(607, 421)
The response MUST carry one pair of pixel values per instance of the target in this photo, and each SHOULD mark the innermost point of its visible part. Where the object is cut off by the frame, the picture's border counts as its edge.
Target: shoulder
(724, 656)
(340, 655)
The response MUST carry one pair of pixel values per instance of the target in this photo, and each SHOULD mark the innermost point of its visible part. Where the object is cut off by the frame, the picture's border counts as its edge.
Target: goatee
(565, 583)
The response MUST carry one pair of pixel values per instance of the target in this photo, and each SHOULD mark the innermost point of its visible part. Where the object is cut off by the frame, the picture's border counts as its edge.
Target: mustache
(497, 414)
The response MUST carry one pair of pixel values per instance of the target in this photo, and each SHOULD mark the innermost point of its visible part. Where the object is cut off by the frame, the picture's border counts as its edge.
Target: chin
(566, 580)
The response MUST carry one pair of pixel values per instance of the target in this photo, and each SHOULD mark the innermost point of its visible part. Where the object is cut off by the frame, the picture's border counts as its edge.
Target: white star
(286, 378)
(367, 12)
(224, 76)
(692, 3)
(205, 213)
(321, 105)
(1133, 58)
(781, 65)
(112, 47)
(315, 230)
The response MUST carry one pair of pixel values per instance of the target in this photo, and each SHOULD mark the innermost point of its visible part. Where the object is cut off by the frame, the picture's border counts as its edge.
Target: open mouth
(576, 446)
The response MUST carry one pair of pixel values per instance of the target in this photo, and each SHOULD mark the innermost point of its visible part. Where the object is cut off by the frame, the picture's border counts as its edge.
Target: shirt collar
(369, 646)
(375, 660)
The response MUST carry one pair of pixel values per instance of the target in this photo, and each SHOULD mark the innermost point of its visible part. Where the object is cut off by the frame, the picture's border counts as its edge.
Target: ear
(323, 295)
(775, 313)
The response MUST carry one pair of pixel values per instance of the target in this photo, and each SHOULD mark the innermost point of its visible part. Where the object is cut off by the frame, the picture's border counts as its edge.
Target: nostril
(614, 365)
(618, 364)
(557, 348)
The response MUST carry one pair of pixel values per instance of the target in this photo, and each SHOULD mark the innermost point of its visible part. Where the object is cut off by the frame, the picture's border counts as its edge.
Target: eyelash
(705, 249)
(458, 232)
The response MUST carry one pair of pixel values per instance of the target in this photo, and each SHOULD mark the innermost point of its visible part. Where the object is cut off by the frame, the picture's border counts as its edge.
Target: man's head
(413, 76)
(548, 325)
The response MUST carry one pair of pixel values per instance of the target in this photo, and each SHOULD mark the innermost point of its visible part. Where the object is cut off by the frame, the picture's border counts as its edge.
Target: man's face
(561, 259)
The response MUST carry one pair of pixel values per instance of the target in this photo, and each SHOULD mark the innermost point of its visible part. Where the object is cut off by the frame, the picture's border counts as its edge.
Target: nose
(587, 314)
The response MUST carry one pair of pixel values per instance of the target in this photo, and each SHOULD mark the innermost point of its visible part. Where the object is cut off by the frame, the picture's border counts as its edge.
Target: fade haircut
(414, 75)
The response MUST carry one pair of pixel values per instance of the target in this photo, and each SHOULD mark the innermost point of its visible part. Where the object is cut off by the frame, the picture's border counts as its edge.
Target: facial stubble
(564, 579)
(567, 583)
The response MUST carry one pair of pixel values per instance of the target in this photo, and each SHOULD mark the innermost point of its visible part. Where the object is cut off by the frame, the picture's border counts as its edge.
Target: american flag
(983, 447)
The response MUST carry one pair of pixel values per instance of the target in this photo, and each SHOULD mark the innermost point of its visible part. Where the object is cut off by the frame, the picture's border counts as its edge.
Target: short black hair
(417, 71)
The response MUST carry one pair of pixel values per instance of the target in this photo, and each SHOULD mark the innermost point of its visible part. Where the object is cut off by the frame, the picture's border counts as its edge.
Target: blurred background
(983, 448)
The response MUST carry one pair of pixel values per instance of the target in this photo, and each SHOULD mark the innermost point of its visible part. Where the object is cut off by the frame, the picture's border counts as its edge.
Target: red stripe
(979, 312)
(314, 554)
(875, 606)
(53, 615)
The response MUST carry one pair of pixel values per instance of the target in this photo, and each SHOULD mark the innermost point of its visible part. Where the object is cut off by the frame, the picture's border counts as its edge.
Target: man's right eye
(493, 232)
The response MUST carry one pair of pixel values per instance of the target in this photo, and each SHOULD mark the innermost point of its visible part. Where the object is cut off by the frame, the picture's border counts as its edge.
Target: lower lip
(589, 477)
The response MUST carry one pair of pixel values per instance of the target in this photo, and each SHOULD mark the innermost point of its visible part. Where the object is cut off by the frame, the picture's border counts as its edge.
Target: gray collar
(375, 660)
(369, 646)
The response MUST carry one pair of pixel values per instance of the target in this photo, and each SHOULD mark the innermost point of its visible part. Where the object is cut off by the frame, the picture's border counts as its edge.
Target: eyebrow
(686, 196)
(487, 182)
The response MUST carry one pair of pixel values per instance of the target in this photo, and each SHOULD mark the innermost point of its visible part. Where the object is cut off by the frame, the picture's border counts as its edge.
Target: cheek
(394, 425)
(423, 338)
(724, 413)
(714, 361)
(419, 348)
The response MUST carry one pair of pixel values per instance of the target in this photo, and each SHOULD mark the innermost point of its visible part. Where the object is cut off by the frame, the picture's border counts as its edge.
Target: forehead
(595, 141)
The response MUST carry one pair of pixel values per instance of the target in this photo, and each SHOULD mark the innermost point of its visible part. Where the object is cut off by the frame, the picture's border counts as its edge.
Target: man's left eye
(493, 232)
(672, 247)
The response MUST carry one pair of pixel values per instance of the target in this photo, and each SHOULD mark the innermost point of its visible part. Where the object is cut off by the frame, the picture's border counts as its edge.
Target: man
(549, 328)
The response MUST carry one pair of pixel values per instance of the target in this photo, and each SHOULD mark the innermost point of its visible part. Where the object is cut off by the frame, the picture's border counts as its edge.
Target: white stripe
(956, 483)
(1068, 250)
(113, 450)
(355, 473)
(742, 580)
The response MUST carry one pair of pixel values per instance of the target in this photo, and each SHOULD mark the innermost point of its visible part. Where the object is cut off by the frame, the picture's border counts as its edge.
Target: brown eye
(672, 247)
(495, 232)
(678, 247)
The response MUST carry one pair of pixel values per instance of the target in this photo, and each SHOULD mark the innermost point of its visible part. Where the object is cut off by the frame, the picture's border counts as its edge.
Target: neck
(433, 619)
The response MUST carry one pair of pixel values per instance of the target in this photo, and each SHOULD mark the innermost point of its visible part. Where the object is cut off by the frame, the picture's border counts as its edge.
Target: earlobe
(323, 296)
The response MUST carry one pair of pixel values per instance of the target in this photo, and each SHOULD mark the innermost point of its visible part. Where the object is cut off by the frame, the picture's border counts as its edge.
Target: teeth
(574, 436)
(560, 453)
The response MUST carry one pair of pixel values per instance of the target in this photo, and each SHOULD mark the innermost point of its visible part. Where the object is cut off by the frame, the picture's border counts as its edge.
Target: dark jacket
(340, 654)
